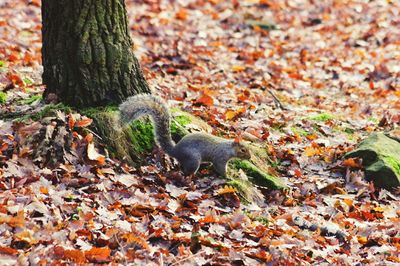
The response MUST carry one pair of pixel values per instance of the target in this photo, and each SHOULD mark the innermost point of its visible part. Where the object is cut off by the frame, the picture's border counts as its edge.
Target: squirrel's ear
(237, 140)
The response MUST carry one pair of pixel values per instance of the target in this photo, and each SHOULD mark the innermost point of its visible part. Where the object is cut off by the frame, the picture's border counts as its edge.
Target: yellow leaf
(362, 239)
(238, 68)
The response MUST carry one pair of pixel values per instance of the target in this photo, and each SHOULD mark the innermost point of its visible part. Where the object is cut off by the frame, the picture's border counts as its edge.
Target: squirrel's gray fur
(193, 148)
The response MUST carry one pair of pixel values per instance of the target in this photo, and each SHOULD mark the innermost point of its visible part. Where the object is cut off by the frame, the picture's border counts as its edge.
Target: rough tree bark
(87, 52)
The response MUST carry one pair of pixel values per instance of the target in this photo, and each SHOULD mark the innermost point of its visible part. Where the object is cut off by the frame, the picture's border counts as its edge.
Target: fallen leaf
(205, 99)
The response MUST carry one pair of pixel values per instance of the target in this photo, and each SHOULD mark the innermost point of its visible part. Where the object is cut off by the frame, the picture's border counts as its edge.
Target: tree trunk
(87, 52)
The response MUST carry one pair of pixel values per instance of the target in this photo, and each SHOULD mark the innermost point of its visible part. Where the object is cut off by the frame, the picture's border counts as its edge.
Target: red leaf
(206, 100)
(15, 79)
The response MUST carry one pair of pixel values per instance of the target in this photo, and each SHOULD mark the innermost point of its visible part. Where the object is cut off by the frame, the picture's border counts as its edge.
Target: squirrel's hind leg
(190, 163)
(220, 167)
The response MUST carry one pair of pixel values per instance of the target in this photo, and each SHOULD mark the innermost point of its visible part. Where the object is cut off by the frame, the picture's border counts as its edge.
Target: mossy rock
(381, 159)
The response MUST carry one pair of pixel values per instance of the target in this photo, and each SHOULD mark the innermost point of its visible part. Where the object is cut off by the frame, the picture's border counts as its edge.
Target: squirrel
(192, 149)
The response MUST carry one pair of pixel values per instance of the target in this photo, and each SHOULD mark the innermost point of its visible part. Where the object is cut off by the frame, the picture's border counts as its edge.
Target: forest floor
(306, 79)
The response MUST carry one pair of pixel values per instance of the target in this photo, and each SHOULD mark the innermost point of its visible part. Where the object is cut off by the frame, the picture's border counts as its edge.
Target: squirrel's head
(241, 151)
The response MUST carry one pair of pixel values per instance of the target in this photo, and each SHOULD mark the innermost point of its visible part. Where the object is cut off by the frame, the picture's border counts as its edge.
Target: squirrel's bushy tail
(146, 104)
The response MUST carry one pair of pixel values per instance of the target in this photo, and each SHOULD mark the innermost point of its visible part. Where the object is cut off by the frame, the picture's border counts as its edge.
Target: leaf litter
(306, 79)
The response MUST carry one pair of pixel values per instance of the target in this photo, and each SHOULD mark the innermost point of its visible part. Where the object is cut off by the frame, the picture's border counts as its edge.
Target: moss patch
(183, 122)
(129, 143)
(393, 163)
(32, 99)
(179, 121)
(141, 135)
(321, 117)
(299, 131)
(3, 97)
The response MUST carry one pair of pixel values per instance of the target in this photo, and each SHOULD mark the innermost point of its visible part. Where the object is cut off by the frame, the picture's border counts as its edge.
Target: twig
(187, 258)
(94, 133)
(276, 100)
(122, 249)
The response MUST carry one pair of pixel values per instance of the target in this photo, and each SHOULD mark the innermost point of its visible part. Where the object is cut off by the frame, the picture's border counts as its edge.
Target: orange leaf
(262, 255)
(8, 250)
(312, 136)
(14, 221)
(244, 96)
(181, 14)
(99, 255)
(44, 190)
(4, 146)
(136, 239)
(348, 202)
(84, 122)
(36, 3)
(362, 240)
(351, 162)
(101, 160)
(368, 216)
(238, 68)
(71, 121)
(230, 115)
(311, 151)
(393, 259)
(207, 220)
(89, 138)
(226, 190)
(27, 58)
(75, 255)
(206, 100)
